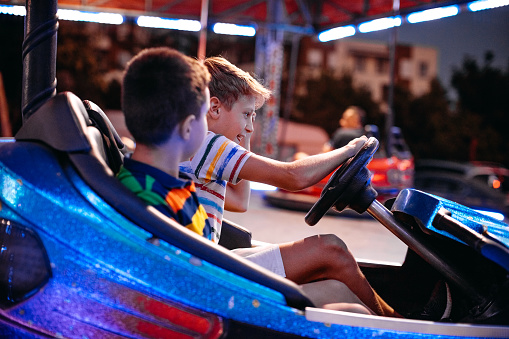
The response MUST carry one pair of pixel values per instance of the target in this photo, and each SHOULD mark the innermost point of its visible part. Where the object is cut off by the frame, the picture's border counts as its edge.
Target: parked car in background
(492, 174)
(392, 169)
(480, 185)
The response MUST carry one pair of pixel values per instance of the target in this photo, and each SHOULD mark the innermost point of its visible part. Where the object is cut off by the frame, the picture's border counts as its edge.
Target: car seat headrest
(60, 123)
(67, 124)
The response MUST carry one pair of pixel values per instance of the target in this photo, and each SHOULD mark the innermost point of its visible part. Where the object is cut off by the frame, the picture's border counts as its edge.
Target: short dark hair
(161, 87)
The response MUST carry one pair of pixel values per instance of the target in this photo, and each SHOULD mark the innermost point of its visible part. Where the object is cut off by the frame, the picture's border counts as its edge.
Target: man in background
(351, 126)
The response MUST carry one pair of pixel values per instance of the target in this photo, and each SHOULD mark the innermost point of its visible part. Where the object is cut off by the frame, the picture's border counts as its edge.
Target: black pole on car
(39, 55)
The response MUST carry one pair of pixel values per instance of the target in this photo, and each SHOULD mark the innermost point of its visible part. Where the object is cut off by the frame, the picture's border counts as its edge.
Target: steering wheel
(349, 185)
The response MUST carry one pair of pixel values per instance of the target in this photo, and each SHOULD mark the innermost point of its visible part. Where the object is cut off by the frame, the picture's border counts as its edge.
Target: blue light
(433, 14)
(13, 10)
(379, 24)
(336, 33)
(101, 17)
(72, 15)
(178, 24)
(232, 29)
(257, 186)
(486, 4)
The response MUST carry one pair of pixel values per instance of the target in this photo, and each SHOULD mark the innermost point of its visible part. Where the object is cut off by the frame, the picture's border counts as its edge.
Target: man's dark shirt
(343, 136)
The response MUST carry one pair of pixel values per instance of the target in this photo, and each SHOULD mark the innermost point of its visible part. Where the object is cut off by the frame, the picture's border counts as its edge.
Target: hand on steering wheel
(342, 189)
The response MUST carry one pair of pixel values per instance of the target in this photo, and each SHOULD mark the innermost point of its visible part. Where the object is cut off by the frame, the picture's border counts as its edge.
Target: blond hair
(229, 83)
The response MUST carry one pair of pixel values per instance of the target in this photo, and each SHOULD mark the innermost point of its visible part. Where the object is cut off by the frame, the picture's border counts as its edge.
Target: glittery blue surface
(102, 265)
(424, 206)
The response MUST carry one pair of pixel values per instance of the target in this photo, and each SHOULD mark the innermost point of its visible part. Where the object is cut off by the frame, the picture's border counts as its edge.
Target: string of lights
(247, 30)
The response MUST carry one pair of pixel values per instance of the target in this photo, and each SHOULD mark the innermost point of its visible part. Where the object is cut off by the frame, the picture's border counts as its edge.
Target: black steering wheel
(350, 185)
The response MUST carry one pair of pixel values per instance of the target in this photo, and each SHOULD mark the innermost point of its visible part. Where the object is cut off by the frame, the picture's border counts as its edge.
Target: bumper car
(75, 261)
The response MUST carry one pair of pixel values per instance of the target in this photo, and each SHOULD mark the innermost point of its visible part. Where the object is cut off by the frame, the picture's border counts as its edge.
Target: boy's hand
(246, 141)
(354, 145)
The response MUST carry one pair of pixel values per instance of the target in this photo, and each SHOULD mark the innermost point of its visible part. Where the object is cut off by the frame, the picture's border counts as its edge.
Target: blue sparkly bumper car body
(75, 261)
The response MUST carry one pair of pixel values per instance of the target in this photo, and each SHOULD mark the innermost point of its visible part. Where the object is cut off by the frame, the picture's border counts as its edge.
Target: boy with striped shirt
(224, 159)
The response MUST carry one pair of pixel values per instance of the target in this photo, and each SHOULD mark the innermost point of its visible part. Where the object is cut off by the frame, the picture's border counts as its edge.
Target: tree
(326, 99)
(483, 108)
(427, 124)
(11, 35)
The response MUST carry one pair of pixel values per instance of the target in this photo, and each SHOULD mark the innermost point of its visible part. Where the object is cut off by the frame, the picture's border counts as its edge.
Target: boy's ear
(185, 127)
(214, 110)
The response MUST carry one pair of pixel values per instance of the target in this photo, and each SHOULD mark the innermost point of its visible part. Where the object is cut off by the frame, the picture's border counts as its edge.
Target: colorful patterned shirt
(175, 198)
(218, 161)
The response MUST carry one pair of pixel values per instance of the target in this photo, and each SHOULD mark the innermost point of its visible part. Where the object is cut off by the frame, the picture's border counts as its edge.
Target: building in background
(369, 65)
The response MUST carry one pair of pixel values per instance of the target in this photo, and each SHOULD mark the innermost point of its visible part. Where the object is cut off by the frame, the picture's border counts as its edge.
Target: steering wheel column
(359, 195)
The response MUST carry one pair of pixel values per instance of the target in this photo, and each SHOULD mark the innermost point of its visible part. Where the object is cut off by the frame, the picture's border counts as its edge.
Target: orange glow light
(496, 184)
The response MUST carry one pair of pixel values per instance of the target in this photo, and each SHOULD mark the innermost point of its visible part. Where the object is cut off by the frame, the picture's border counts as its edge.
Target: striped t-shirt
(218, 161)
(171, 196)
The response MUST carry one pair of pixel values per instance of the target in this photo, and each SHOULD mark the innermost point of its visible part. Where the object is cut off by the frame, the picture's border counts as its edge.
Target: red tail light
(187, 323)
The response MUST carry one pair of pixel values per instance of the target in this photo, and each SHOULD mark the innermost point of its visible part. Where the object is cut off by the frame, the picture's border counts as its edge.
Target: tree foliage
(475, 129)
(326, 99)
(483, 108)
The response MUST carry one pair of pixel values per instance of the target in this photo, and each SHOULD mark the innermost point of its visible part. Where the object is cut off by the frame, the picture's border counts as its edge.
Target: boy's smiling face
(237, 122)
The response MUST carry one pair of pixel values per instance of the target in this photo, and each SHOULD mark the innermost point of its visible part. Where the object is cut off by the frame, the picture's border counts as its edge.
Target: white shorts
(268, 256)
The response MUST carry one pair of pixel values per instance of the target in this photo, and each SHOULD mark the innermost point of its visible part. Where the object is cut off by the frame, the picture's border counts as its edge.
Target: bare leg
(324, 257)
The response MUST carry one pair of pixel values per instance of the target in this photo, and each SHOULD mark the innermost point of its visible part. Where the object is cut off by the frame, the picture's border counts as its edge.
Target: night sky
(468, 33)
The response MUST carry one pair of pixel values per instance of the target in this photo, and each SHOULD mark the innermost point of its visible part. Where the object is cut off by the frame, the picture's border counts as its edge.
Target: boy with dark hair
(165, 100)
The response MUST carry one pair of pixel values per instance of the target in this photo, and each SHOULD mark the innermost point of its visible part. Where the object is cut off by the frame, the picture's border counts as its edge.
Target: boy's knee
(329, 255)
(338, 257)
(331, 243)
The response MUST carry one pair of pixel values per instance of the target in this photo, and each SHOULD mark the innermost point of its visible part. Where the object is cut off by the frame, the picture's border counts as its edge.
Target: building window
(382, 66)
(360, 64)
(423, 69)
(385, 93)
(406, 68)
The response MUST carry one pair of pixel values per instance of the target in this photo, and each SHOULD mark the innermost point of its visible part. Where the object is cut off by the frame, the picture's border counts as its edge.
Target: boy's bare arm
(237, 197)
(298, 174)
